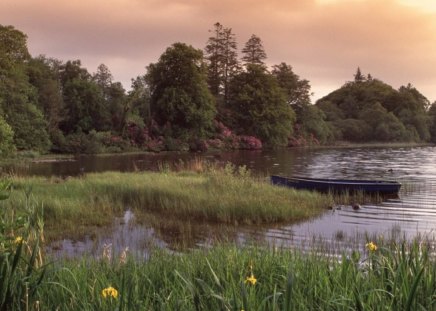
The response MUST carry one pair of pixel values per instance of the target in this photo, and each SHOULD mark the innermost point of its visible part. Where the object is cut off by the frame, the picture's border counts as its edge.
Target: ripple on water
(412, 214)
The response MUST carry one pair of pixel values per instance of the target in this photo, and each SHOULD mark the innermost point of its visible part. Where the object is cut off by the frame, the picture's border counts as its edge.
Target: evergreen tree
(222, 58)
(254, 52)
(358, 76)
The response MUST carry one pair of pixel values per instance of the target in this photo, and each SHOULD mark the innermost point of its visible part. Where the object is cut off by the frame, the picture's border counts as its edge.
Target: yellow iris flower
(251, 279)
(371, 247)
(109, 292)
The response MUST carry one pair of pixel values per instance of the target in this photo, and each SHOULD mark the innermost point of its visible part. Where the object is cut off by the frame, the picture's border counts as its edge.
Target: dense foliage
(368, 109)
(195, 100)
(180, 98)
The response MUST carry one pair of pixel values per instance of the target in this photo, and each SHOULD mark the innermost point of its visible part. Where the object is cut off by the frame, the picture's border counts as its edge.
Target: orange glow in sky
(323, 40)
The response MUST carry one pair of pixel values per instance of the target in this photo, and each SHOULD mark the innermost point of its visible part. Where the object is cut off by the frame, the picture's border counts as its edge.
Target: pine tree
(222, 57)
(359, 77)
(254, 52)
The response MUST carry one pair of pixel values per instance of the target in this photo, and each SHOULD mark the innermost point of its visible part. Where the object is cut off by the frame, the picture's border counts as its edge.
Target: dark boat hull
(338, 185)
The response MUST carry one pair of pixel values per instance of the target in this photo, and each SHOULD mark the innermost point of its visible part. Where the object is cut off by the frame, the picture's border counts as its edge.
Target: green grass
(390, 277)
(72, 206)
(398, 277)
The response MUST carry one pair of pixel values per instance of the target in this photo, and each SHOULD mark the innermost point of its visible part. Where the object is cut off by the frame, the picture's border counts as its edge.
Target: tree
(103, 77)
(13, 47)
(44, 76)
(138, 103)
(6, 138)
(222, 58)
(370, 110)
(180, 97)
(410, 106)
(259, 106)
(214, 56)
(297, 90)
(432, 116)
(85, 106)
(358, 76)
(254, 52)
(114, 98)
(382, 125)
(18, 98)
(310, 122)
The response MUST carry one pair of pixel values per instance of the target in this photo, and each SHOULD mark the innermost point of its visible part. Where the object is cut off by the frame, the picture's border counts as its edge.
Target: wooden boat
(338, 185)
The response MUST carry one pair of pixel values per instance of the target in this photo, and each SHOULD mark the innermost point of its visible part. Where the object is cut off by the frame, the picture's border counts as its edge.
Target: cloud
(324, 40)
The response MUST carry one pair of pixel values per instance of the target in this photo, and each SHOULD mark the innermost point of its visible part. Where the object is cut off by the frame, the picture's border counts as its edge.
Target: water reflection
(414, 213)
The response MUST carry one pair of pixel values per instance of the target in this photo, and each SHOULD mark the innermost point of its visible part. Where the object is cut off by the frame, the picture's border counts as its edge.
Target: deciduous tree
(180, 97)
(259, 106)
(18, 98)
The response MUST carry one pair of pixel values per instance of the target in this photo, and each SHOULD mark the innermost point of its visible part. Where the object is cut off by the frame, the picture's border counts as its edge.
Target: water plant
(22, 269)
(229, 195)
(392, 277)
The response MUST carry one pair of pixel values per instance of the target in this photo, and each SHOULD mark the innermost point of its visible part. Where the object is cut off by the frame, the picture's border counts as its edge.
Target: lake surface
(412, 214)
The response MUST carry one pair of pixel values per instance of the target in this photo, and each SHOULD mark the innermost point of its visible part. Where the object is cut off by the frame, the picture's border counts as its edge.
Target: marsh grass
(394, 277)
(228, 195)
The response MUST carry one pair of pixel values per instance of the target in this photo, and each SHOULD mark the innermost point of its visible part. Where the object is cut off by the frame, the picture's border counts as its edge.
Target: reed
(394, 277)
(229, 195)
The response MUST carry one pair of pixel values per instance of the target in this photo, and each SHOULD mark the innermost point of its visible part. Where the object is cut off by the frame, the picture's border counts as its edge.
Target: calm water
(411, 215)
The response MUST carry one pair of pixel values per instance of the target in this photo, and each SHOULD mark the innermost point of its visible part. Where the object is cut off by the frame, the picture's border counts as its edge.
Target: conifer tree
(253, 51)
(222, 58)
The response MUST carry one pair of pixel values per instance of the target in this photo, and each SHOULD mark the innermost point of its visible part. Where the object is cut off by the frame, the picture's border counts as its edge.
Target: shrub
(6, 138)
(249, 142)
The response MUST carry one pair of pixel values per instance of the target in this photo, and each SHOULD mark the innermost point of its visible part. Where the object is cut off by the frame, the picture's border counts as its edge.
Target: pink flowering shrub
(302, 141)
(250, 143)
(223, 131)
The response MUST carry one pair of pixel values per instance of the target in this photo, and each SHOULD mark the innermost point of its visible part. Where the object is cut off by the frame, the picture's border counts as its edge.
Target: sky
(323, 40)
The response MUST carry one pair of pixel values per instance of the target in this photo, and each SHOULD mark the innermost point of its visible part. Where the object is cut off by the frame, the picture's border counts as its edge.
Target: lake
(412, 214)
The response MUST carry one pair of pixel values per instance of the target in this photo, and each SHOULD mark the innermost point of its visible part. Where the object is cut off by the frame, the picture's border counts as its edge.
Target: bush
(249, 142)
(6, 139)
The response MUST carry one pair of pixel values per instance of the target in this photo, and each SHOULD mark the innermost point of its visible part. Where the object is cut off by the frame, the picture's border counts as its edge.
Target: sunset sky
(323, 40)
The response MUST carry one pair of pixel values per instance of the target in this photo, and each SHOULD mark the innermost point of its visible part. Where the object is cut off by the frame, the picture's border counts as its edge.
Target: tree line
(193, 99)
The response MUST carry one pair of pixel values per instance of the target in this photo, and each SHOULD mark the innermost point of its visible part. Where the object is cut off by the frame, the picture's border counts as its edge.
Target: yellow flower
(109, 292)
(251, 279)
(371, 247)
(18, 240)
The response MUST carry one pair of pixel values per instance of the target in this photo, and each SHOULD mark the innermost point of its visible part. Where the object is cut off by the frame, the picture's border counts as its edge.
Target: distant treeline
(193, 99)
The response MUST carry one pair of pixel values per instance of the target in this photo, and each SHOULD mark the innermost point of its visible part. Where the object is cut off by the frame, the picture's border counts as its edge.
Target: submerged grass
(216, 195)
(396, 277)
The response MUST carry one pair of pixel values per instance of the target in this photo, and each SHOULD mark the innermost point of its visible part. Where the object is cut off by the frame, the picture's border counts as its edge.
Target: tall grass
(22, 268)
(229, 196)
(399, 277)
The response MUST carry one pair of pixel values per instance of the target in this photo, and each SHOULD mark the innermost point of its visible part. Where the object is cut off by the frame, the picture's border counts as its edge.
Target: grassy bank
(227, 278)
(384, 276)
(229, 196)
